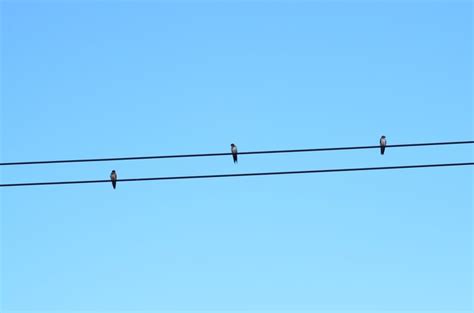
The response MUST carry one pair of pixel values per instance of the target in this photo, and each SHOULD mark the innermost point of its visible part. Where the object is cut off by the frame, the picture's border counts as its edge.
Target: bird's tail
(382, 150)
(114, 184)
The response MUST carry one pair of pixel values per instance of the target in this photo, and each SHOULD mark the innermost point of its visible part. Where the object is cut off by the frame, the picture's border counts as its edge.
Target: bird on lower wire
(383, 143)
(113, 178)
(233, 149)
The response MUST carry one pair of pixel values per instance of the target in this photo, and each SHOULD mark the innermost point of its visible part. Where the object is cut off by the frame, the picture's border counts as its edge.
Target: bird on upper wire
(383, 143)
(113, 178)
(233, 149)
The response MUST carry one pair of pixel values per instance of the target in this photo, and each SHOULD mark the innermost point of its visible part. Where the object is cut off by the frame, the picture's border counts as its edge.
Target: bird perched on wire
(233, 149)
(383, 143)
(113, 178)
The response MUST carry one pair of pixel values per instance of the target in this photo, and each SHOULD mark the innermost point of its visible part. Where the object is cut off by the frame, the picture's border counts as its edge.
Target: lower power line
(334, 170)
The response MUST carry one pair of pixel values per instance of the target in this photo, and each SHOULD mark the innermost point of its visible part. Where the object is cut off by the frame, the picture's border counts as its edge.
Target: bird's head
(232, 145)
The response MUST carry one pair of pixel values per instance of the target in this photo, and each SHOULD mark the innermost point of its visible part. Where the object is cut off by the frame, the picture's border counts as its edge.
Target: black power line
(196, 155)
(355, 169)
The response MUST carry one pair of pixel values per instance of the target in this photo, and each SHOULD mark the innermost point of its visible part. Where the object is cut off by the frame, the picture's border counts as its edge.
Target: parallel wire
(356, 169)
(196, 155)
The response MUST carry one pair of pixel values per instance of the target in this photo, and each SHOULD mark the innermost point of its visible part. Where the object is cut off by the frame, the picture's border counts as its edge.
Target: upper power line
(196, 155)
(355, 169)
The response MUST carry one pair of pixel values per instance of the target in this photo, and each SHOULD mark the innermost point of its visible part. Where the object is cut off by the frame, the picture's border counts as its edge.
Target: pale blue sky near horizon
(92, 79)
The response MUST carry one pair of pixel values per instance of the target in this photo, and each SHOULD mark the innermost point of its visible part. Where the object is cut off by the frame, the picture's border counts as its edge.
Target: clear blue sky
(97, 79)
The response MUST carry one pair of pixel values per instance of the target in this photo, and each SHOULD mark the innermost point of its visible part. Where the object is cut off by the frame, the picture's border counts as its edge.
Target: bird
(233, 149)
(113, 178)
(383, 143)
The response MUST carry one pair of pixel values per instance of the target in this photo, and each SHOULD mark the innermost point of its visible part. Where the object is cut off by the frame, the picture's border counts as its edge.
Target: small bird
(113, 178)
(383, 143)
(233, 149)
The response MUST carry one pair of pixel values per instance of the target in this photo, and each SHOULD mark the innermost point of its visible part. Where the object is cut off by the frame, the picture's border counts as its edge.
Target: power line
(196, 155)
(356, 169)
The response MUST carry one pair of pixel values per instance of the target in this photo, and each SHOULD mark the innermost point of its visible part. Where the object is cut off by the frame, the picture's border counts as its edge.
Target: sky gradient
(98, 78)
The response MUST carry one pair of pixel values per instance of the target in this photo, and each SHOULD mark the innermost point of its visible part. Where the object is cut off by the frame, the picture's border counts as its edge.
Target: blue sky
(100, 78)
